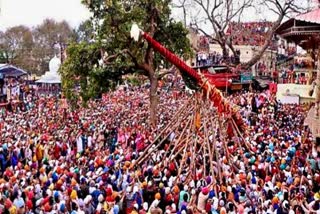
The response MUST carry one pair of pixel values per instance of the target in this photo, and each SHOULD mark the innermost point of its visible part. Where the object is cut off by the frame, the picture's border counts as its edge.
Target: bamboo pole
(179, 139)
(204, 159)
(188, 146)
(206, 142)
(240, 134)
(183, 131)
(217, 155)
(185, 146)
(183, 108)
(236, 135)
(223, 133)
(168, 134)
(193, 150)
(183, 161)
(147, 151)
(211, 162)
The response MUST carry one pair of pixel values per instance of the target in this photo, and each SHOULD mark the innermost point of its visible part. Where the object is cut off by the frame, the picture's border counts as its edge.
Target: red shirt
(109, 199)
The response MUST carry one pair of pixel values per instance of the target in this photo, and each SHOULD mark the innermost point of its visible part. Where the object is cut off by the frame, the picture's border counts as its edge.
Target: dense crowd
(58, 160)
(249, 33)
(300, 71)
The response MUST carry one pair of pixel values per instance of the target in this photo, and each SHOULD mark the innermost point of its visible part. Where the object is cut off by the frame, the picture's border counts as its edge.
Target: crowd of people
(213, 58)
(300, 71)
(58, 160)
(208, 59)
(249, 33)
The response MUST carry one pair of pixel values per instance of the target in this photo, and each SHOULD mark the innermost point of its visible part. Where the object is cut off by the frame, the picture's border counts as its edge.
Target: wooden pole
(147, 150)
(240, 134)
(217, 154)
(189, 122)
(223, 134)
(182, 109)
(211, 162)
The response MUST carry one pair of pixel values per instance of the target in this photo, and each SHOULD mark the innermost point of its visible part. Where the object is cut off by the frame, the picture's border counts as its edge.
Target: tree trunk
(225, 53)
(153, 96)
(153, 100)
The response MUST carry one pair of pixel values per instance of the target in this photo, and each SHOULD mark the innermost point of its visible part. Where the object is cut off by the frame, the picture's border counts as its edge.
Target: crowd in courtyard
(57, 160)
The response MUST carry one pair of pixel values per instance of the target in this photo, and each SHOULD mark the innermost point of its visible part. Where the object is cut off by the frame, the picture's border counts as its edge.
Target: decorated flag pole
(222, 104)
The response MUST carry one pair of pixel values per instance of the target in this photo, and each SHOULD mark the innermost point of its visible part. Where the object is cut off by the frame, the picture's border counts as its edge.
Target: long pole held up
(212, 92)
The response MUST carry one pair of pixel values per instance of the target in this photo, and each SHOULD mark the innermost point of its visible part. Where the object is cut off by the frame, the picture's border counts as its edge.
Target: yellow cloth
(39, 152)
(317, 196)
(73, 195)
(13, 210)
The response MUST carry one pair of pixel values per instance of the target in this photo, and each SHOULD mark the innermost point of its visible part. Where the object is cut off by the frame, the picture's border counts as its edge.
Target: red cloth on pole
(171, 57)
(273, 87)
(215, 95)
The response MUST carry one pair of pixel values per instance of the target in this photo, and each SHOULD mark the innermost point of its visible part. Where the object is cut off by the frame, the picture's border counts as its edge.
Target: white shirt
(89, 141)
(79, 145)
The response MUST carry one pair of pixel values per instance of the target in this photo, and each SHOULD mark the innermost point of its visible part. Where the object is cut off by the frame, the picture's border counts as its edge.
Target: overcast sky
(33, 12)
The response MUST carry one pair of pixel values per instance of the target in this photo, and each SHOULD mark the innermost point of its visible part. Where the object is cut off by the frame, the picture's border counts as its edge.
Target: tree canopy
(16, 44)
(112, 53)
(32, 48)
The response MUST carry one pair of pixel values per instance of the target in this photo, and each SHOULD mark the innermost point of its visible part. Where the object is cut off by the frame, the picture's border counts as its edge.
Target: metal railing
(306, 29)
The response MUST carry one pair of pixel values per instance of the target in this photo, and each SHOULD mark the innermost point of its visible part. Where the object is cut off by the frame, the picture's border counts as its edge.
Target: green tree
(85, 32)
(81, 68)
(114, 53)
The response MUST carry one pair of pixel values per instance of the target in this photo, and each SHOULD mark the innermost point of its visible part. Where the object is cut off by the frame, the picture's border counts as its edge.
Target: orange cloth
(157, 196)
(197, 120)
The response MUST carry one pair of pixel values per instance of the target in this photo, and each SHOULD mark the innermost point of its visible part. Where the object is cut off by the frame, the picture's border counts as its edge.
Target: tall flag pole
(222, 104)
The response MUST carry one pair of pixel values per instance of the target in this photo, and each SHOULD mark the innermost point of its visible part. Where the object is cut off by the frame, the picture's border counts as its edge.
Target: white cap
(135, 189)
(145, 206)
(129, 189)
(100, 198)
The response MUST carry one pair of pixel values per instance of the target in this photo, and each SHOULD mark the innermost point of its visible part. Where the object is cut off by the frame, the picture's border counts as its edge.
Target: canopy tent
(11, 71)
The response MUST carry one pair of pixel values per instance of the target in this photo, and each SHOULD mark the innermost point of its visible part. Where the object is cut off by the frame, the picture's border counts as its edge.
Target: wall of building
(294, 89)
(247, 52)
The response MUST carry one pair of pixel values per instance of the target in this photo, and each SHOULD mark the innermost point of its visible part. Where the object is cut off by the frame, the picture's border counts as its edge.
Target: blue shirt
(116, 209)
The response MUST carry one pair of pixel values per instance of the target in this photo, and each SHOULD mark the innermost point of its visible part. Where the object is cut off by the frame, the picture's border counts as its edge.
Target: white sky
(33, 12)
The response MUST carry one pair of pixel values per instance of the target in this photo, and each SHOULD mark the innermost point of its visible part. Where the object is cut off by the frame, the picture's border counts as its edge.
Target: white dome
(52, 76)
(54, 64)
